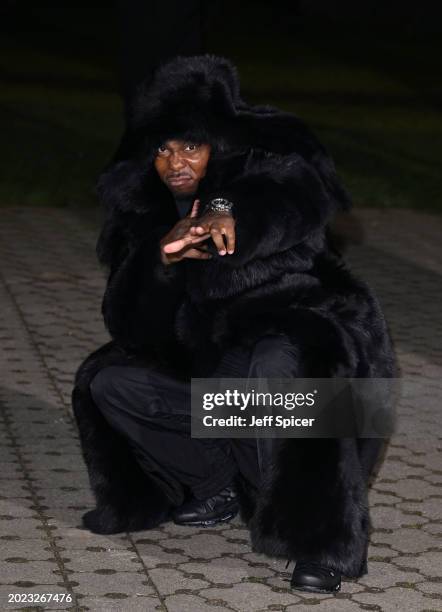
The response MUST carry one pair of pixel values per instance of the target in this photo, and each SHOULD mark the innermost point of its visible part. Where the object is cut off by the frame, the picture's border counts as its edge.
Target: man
(245, 282)
(129, 397)
(181, 165)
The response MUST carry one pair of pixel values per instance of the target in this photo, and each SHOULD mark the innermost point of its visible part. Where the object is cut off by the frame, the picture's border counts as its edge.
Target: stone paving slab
(50, 297)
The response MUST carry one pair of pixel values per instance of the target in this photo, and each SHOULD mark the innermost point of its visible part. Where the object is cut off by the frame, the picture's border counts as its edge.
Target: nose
(176, 162)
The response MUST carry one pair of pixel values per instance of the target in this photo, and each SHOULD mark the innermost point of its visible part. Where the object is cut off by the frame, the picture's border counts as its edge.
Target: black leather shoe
(315, 578)
(216, 509)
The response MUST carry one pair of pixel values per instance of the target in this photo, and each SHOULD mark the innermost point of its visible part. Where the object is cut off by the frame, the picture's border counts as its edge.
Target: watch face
(221, 204)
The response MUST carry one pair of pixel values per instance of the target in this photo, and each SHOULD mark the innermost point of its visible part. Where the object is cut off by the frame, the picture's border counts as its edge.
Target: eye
(191, 147)
(162, 149)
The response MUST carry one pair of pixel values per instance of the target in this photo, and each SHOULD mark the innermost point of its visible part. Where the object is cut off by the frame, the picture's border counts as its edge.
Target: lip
(180, 181)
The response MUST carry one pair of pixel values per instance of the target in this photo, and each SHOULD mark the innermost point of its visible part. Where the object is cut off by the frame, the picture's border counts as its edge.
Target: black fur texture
(283, 277)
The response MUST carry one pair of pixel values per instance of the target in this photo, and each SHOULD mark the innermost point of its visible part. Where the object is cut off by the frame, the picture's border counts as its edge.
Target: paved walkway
(50, 296)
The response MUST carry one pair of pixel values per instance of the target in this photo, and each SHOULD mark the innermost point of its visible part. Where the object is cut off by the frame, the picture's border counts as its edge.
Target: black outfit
(152, 410)
(184, 205)
(183, 320)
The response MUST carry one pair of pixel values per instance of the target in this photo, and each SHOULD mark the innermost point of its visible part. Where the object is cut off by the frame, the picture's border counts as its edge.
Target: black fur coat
(283, 276)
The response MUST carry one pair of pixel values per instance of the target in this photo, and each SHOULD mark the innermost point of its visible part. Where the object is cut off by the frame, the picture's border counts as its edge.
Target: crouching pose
(220, 264)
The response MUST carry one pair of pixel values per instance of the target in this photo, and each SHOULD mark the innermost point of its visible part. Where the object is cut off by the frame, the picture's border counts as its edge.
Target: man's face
(181, 165)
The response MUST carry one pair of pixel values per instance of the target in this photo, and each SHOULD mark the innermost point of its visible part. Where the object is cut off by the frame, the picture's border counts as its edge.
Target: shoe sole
(208, 522)
(316, 590)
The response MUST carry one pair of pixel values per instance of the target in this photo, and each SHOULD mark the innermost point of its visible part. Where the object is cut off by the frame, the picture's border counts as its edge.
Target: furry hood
(198, 98)
(188, 98)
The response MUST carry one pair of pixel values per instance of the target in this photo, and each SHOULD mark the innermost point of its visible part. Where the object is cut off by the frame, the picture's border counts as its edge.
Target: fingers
(217, 238)
(175, 246)
(195, 206)
(229, 233)
(217, 228)
(199, 229)
(181, 243)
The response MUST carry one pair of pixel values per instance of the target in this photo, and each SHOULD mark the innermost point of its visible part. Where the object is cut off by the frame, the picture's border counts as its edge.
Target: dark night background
(366, 78)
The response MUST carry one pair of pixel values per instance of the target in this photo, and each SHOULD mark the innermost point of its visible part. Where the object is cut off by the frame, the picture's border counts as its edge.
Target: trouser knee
(104, 385)
(274, 356)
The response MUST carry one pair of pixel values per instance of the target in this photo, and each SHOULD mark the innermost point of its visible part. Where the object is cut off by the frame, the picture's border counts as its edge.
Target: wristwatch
(220, 205)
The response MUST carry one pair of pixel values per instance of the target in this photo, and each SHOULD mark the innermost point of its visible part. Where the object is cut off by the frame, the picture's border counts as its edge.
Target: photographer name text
(266, 421)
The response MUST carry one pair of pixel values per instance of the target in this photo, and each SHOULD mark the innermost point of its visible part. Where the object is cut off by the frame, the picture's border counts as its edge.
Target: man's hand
(179, 242)
(217, 224)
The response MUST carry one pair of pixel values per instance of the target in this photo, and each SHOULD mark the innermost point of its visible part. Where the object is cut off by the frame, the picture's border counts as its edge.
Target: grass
(373, 101)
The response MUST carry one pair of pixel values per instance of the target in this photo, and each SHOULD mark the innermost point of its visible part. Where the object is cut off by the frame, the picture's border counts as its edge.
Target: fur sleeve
(279, 201)
(141, 297)
(141, 292)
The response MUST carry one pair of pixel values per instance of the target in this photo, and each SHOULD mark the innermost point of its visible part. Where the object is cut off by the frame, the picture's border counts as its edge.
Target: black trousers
(152, 410)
